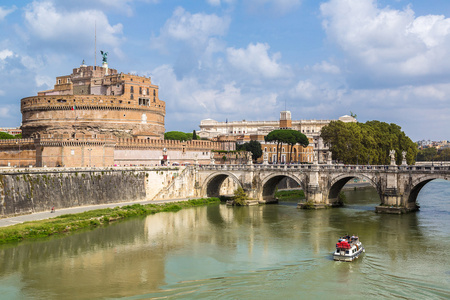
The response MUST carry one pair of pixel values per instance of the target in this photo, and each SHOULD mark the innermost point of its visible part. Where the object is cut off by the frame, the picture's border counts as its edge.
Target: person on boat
(53, 209)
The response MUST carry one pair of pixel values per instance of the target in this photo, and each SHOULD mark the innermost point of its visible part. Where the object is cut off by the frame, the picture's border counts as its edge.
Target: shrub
(240, 196)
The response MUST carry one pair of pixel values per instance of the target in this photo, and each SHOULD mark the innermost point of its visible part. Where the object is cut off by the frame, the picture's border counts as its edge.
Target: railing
(334, 167)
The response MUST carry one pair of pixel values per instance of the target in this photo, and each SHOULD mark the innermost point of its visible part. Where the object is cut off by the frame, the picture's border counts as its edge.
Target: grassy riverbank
(90, 219)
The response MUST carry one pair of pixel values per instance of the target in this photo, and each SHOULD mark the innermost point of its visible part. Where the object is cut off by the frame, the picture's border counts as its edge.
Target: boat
(348, 248)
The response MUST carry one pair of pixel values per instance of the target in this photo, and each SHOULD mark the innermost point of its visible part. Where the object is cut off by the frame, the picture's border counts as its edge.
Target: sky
(386, 60)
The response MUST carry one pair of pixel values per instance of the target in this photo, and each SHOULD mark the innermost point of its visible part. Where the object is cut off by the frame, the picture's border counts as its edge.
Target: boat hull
(343, 256)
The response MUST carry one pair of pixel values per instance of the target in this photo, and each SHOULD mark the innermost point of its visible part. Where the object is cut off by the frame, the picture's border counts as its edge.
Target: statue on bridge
(249, 158)
(404, 163)
(392, 155)
(265, 158)
(212, 160)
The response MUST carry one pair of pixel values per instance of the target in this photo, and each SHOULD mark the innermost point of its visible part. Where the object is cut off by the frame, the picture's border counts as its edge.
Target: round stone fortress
(96, 100)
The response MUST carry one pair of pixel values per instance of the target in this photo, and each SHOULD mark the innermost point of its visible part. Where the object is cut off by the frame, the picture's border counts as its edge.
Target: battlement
(168, 144)
(77, 102)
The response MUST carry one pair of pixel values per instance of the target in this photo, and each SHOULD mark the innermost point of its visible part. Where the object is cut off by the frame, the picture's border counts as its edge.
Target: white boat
(348, 248)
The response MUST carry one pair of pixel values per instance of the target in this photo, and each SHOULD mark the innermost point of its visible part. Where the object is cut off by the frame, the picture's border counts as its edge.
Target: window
(148, 93)
(131, 97)
(140, 90)
(131, 89)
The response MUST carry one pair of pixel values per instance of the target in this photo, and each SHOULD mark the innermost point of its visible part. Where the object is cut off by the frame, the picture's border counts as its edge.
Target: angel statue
(104, 55)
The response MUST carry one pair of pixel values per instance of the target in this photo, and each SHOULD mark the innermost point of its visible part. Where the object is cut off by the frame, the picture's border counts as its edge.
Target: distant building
(11, 131)
(244, 131)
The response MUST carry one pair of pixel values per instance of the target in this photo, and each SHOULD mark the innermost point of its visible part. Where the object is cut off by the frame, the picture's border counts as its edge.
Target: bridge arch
(419, 183)
(212, 184)
(269, 184)
(338, 182)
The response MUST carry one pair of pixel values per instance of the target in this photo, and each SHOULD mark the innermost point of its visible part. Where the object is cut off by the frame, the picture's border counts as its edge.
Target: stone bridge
(397, 186)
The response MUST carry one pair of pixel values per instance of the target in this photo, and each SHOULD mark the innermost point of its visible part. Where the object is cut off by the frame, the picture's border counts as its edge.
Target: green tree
(240, 196)
(194, 135)
(6, 136)
(368, 142)
(286, 136)
(427, 154)
(253, 146)
(176, 135)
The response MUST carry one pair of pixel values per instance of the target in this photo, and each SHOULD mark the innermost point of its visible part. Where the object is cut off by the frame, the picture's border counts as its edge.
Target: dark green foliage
(367, 143)
(253, 146)
(194, 135)
(176, 135)
(240, 196)
(6, 136)
(90, 219)
(432, 154)
(287, 136)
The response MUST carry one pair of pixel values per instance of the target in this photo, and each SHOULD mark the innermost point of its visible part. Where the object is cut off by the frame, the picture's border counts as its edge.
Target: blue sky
(386, 60)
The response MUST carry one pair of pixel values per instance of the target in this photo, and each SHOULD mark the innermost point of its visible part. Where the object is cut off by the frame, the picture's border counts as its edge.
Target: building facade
(245, 131)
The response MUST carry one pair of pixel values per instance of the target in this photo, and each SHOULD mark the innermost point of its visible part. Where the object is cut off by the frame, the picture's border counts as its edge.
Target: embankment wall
(33, 190)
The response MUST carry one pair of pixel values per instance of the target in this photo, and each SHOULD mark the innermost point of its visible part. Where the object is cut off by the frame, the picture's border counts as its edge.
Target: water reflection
(218, 251)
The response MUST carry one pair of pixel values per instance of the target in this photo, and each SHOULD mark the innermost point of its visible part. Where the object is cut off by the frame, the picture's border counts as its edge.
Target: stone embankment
(25, 191)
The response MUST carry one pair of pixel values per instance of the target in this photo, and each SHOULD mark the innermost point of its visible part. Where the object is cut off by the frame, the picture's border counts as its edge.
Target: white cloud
(70, 28)
(193, 29)
(42, 80)
(326, 67)
(188, 100)
(6, 11)
(4, 54)
(388, 44)
(256, 61)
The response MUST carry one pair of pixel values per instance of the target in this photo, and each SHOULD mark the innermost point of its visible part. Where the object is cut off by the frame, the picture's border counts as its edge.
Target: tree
(6, 136)
(287, 136)
(369, 142)
(253, 146)
(194, 135)
(176, 135)
(427, 154)
(240, 196)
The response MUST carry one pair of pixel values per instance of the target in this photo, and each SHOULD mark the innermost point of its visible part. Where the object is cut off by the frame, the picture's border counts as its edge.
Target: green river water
(258, 252)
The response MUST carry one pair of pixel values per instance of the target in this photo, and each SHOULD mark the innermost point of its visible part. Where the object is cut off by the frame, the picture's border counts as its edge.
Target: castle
(98, 117)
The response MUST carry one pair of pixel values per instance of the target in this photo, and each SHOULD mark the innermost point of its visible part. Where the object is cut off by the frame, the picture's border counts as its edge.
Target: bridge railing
(337, 167)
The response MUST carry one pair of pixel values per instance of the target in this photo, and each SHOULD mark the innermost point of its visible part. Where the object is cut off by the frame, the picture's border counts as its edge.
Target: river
(258, 252)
